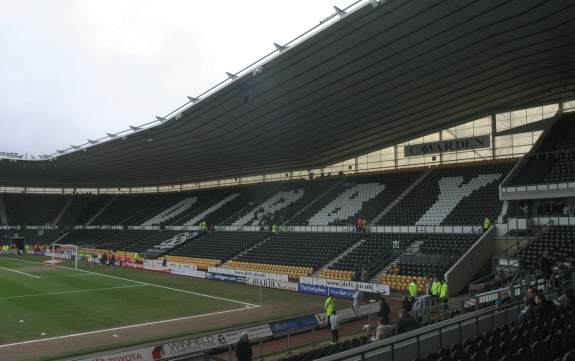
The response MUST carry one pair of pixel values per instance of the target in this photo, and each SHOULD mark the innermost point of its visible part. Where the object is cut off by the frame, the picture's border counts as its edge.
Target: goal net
(60, 252)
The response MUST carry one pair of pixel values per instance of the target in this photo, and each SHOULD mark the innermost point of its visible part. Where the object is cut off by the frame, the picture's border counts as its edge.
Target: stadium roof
(384, 73)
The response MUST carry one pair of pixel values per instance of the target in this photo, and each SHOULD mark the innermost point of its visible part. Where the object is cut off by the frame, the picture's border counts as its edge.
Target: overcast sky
(71, 70)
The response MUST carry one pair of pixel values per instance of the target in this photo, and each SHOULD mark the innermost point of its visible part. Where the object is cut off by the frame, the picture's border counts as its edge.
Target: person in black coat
(243, 348)
(384, 310)
(406, 304)
(406, 322)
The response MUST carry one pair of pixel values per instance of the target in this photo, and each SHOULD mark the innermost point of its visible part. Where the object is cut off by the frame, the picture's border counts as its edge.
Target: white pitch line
(67, 276)
(123, 327)
(68, 292)
(22, 273)
(152, 284)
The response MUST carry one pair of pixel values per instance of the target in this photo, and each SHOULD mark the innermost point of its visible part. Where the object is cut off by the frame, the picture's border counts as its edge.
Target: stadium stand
(558, 241)
(553, 160)
(308, 250)
(545, 337)
(32, 236)
(455, 195)
(82, 208)
(25, 209)
(220, 246)
(371, 255)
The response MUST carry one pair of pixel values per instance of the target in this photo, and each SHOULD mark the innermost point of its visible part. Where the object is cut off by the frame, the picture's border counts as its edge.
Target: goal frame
(52, 248)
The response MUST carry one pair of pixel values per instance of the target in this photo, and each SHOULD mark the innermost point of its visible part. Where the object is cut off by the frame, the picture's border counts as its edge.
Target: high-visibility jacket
(486, 223)
(436, 288)
(444, 291)
(412, 289)
(329, 306)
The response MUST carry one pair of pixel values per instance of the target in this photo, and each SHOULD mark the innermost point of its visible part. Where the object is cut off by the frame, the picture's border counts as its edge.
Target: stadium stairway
(340, 256)
(234, 258)
(311, 204)
(63, 211)
(400, 197)
(102, 210)
(412, 248)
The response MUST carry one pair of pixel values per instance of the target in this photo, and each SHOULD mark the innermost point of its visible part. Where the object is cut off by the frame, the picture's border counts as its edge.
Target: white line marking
(124, 327)
(68, 292)
(22, 273)
(151, 284)
(67, 276)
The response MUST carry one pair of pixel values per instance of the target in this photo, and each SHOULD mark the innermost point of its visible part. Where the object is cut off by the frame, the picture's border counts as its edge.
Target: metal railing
(416, 344)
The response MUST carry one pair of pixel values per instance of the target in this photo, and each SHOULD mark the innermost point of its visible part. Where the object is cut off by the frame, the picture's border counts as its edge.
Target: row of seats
(401, 282)
(300, 249)
(546, 338)
(328, 201)
(293, 272)
(327, 350)
(558, 241)
(335, 274)
(459, 195)
(202, 263)
(552, 161)
(219, 245)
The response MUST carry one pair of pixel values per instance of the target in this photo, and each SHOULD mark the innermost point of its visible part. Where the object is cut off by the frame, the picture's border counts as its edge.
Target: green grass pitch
(39, 301)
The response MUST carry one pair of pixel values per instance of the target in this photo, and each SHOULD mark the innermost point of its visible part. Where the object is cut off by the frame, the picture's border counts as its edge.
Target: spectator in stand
(542, 307)
(406, 304)
(356, 296)
(243, 348)
(334, 327)
(486, 224)
(358, 224)
(329, 306)
(165, 261)
(435, 289)
(382, 331)
(364, 276)
(444, 293)
(412, 290)
(529, 299)
(384, 310)
(364, 225)
(406, 322)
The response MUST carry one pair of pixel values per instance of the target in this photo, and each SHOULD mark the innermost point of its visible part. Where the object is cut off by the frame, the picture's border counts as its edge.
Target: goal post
(63, 251)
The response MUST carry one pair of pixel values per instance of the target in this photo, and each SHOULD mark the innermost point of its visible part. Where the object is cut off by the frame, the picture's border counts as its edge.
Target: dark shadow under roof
(377, 77)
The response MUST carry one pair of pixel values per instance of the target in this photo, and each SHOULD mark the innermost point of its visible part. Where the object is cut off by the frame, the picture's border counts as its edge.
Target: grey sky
(75, 69)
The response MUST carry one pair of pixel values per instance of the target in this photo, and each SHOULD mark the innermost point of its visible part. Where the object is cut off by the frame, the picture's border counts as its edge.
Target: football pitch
(41, 303)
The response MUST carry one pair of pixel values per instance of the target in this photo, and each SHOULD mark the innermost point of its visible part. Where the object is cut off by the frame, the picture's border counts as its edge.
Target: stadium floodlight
(193, 100)
(112, 135)
(161, 119)
(92, 141)
(280, 48)
(60, 151)
(135, 129)
(231, 76)
(339, 12)
(75, 147)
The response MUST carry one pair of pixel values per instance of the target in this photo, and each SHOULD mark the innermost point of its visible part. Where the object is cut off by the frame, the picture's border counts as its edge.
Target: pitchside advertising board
(338, 288)
(252, 274)
(188, 346)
